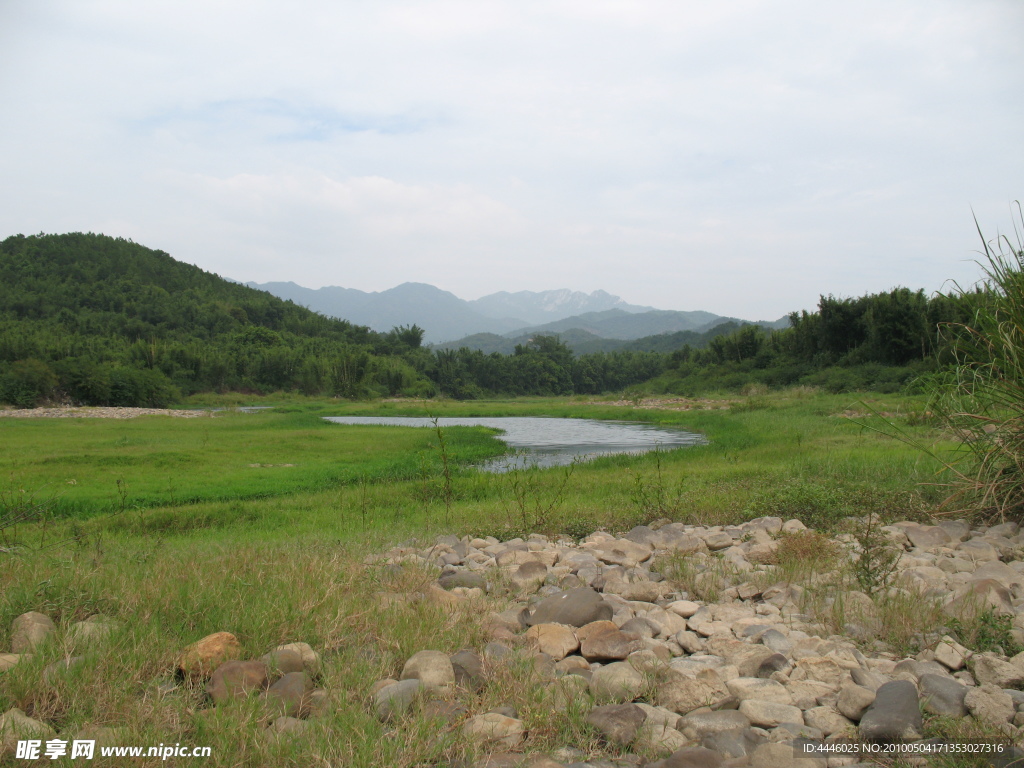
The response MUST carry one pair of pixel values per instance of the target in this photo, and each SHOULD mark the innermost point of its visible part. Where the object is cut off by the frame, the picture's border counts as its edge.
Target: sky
(740, 157)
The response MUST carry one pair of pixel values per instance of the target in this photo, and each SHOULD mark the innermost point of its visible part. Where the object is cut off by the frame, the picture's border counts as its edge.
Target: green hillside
(106, 321)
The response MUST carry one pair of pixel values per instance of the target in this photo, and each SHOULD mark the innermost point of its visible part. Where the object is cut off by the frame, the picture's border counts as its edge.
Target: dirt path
(73, 412)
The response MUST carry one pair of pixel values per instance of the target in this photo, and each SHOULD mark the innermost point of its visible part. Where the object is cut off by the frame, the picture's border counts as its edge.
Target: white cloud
(741, 156)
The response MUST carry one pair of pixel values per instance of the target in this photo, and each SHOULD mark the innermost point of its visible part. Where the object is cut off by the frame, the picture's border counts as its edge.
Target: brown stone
(237, 679)
(556, 640)
(291, 695)
(200, 659)
(609, 643)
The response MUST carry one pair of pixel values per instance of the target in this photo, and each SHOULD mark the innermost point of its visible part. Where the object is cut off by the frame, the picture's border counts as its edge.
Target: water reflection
(551, 442)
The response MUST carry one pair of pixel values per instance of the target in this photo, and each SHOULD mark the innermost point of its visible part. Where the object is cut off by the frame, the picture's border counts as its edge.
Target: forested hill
(108, 321)
(117, 287)
(98, 320)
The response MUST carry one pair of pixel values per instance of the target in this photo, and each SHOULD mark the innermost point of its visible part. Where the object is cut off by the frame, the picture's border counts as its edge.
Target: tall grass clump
(980, 396)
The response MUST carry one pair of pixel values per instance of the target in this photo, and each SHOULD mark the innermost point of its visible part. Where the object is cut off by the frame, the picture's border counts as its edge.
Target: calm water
(551, 442)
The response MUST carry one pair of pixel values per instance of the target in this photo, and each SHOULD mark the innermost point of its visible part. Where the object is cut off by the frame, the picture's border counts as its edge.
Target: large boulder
(895, 714)
(575, 608)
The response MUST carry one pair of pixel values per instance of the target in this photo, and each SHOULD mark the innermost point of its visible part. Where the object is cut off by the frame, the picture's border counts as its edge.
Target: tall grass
(981, 396)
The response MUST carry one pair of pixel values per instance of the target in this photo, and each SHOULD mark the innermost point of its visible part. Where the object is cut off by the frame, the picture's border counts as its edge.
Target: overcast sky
(740, 157)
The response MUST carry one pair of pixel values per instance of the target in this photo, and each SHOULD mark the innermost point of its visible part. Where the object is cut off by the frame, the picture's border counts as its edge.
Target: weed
(877, 557)
(653, 499)
(979, 398)
(804, 555)
(816, 505)
(446, 472)
(986, 631)
(530, 502)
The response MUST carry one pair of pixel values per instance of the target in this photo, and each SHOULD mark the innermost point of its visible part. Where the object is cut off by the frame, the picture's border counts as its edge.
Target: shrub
(980, 398)
(27, 383)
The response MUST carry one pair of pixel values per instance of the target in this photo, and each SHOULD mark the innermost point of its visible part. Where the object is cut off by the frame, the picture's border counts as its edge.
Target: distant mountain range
(586, 318)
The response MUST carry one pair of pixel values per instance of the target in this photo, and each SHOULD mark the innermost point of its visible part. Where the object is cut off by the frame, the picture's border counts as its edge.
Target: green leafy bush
(980, 398)
(27, 383)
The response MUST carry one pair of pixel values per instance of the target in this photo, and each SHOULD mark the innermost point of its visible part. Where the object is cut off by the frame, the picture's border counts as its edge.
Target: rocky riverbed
(662, 678)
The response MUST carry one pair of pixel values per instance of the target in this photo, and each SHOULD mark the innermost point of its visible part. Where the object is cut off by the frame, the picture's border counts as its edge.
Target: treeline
(104, 321)
(95, 320)
(879, 341)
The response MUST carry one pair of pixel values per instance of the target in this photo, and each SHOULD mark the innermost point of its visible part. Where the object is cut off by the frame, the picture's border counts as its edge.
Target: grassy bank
(259, 476)
(194, 540)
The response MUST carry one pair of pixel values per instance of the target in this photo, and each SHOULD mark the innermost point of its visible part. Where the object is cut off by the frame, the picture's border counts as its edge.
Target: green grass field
(169, 529)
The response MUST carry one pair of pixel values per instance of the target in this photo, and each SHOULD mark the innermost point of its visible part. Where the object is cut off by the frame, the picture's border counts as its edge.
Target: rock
(744, 688)
(497, 652)
(951, 654)
(29, 631)
(697, 725)
(8, 660)
(447, 712)
(319, 703)
(853, 700)
(395, 699)
(570, 691)
(821, 668)
(827, 720)
(469, 670)
(575, 608)
(769, 714)
(638, 591)
(683, 694)
(989, 668)
(735, 743)
(287, 726)
(492, 728)
(53, 672)
(927, 536)
(433, 669)
(616, 682)
(780, 755)
(200, 659)
(776, 641)
(15, 725)
(943, 696)
(895, 714)
(236, 679)
(689, 757)
(772, 664)
(556, 640)
(971, 600)
(282, 662)
(310, 658)
(659, 739)
(608, 642)
(103, 736)
(618, 723)
(658, 715)
(94, 629)
(467, 579)
(292, 694)
(990, 704)
(529, 576)
(622, 552)
(684, 608)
